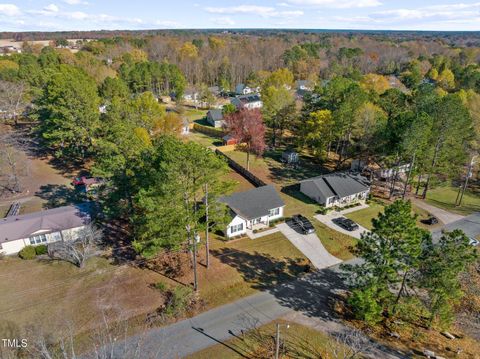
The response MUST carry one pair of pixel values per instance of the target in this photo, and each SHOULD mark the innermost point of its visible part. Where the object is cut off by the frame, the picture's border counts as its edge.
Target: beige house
(44, 227)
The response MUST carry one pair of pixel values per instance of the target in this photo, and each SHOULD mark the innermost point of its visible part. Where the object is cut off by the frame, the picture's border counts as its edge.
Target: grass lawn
(364, 216)
(203, 139)
(271, 169)
(193, 114)
(299, 342)
(445, 196)
(50, 294)
(240, 267)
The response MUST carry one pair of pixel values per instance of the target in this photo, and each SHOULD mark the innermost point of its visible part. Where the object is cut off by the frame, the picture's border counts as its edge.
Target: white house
(215, 117)
(249, 102)
(191, 95)
(336, 189)
(44, 227)
(242, 89)
(253, 209)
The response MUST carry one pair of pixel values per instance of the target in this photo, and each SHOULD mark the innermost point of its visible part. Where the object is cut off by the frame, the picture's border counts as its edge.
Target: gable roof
(248, 98)
(216, 114)
(337, 184)
(50, 220)
(254, 203)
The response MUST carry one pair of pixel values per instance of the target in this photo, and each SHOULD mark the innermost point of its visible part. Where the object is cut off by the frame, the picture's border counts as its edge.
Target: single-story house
(191, 94)
(242, 89)
(215, 117)
(44, 227)
(304, 85)
(229, 140)
(215, 90)
(249, 102)
(336, 189)
(253, 209)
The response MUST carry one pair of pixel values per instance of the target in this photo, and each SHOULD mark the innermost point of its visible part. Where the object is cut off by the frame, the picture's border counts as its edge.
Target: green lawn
(364, 216)
(192, 114)
(445, 196)
(203, 139)
(299, 342)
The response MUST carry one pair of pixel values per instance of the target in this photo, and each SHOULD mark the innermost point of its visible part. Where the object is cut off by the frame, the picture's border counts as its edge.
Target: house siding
(13, 247)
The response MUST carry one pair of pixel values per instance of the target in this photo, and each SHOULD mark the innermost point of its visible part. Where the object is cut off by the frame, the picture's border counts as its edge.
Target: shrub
(27, 253)
(162, 287)
(41, 249)
(179, 301)
(322, 210)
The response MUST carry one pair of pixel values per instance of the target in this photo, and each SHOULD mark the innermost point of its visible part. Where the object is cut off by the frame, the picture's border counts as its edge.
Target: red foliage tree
(247, 127)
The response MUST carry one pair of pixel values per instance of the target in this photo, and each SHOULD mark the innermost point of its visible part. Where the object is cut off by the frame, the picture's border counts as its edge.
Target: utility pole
(277, 340)
(196, 239)
(467, 177)
(410, 170)
(207, 244)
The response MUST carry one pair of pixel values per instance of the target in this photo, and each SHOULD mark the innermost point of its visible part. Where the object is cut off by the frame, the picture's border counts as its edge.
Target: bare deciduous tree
(12, 99)
(76, 247)
(350, 344)
(13, 164)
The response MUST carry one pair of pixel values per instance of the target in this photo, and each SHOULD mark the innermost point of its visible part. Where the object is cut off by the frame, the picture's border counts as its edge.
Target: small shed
(229, 140)
(290, 156)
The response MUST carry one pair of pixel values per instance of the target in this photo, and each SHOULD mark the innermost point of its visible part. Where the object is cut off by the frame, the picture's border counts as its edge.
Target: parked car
(302, 224)
(430, 220)
(345, 223)
(473, 242)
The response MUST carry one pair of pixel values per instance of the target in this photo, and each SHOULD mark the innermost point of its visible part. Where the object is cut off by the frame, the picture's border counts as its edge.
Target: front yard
(299, 342)
(445, 196)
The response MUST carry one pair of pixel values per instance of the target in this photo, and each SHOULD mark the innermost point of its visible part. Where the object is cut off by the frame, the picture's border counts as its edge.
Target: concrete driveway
(327, 219)
(311, 247)
(444, 216)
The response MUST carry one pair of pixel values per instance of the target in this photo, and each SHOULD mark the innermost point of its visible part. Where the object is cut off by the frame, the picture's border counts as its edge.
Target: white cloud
(51, 8)
(223, 21)
(338, 4)
(264, 11)
(75, 2)
(9, 10)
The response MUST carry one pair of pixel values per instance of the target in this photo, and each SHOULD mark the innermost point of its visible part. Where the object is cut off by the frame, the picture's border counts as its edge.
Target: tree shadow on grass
(60, 195)
(311, 293)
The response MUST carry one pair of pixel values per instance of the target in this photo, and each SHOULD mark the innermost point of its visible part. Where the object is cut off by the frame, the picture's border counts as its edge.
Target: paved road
(470, 225)
(308, 297)
(444, 216)
(311, 247)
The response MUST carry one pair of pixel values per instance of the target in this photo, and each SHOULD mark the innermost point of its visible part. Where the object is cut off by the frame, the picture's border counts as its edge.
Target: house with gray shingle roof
(336, 189)
(215, 117)
(253, 209)
(43, 227)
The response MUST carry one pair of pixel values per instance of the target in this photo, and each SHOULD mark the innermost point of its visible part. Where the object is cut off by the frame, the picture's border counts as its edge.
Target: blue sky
(54, 15)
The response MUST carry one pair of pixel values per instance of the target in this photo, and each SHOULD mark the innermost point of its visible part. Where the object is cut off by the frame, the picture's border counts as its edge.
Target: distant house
(229, 140)
(336, 189)
(215, 117)
(249, 102)
(185, 127)
(215, 90)
(191, 95)
(242, 89)
(290, 156)
(253, 209)
(304, 85)
(44, 227)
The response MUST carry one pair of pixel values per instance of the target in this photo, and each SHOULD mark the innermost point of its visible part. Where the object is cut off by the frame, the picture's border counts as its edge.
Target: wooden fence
(257, 182)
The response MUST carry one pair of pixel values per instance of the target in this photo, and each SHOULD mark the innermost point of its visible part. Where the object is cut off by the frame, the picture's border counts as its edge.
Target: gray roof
(50, 220)
(216, 114)
(254, 203)
(248, 98)
(338, 184)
